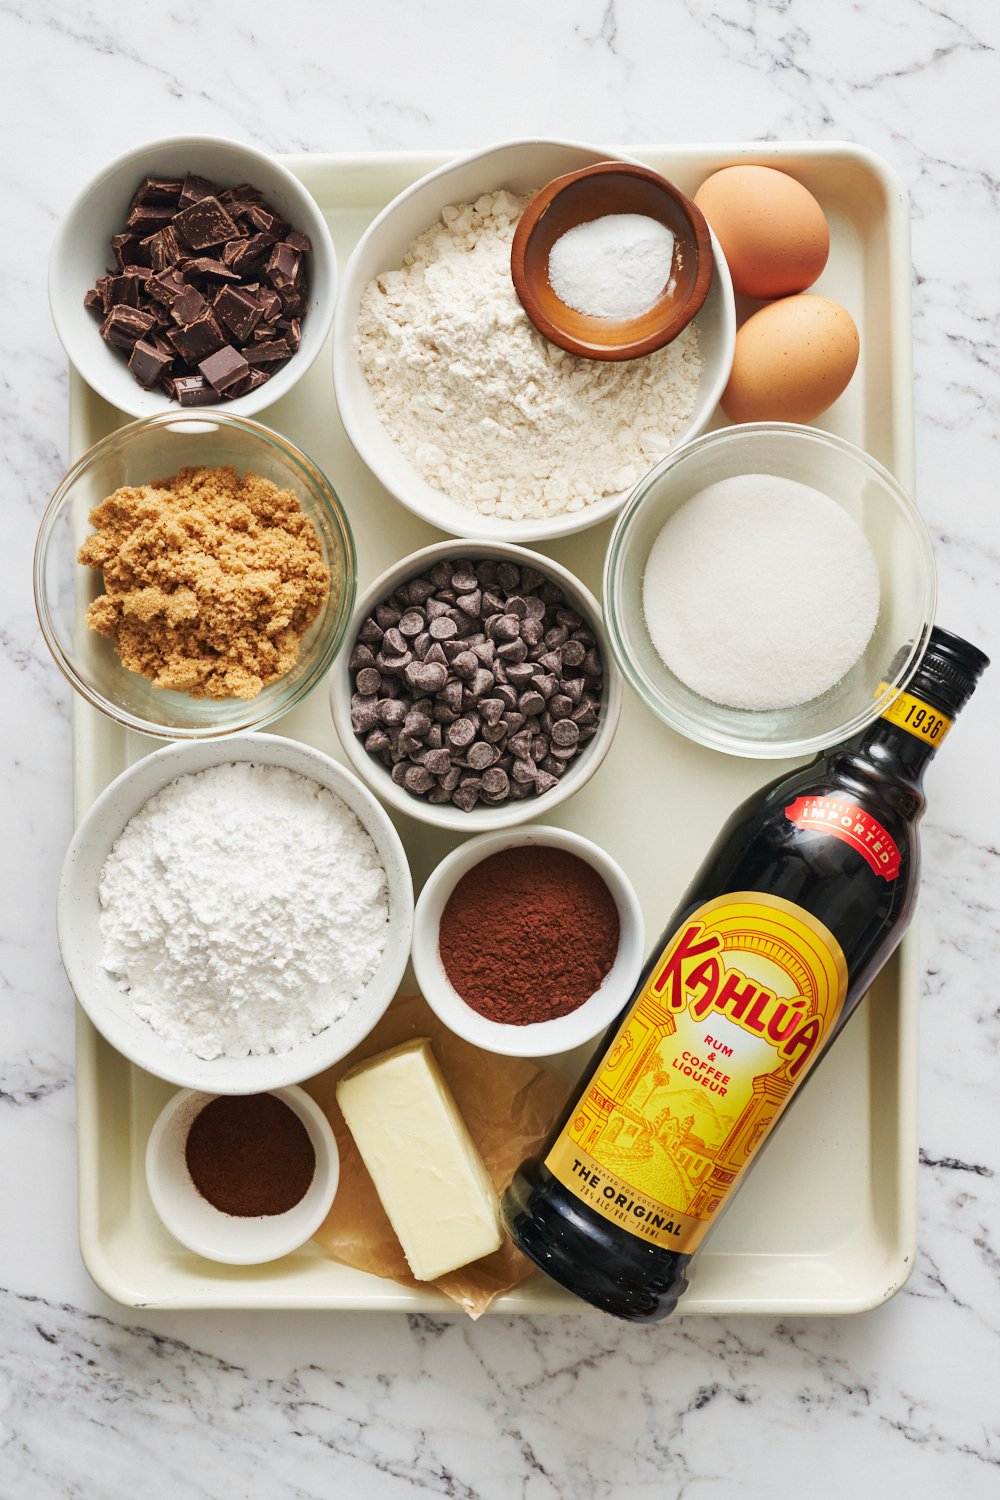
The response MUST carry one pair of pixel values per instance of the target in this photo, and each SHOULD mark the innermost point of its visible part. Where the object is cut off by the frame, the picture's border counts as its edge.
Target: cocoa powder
(529, 934)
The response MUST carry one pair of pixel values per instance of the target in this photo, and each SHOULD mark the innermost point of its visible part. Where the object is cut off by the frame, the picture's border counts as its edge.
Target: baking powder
(616, 266)
(244, 909)
(482, 405)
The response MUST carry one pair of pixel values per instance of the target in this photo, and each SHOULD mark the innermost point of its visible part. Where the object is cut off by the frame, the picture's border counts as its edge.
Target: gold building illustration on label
(732, 1016)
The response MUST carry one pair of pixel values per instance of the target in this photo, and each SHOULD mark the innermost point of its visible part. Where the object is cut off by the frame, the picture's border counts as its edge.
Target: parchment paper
(509, 1105)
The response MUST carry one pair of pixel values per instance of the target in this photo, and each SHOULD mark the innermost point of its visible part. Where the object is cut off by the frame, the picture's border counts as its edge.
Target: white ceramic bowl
(520, 166)
(204, 1229)
(541, 1038)
(79, 912)
(481, 818)
(82, 251)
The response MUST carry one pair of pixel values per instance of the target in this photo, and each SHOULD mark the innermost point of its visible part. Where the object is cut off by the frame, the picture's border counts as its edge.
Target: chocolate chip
(462, 732)
(368, 680)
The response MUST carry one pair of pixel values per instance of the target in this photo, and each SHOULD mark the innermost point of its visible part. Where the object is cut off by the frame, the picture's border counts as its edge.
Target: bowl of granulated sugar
(768, 589)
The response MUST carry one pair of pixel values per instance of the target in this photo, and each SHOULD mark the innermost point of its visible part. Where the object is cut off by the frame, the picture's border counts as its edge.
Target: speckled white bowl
(81, 252)
(108, 1006)
(519, 165)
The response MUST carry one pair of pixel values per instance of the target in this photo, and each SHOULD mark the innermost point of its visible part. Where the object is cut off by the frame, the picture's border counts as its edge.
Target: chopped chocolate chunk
(243, 193)
(293, 333)
(283, 266)
(271, 304)
(123, 290)
(224, 369)
(269, 353)
(148, 363)
(157, 190)
(199, 339)
(205, 223)
(250, 253)
(166, 286)
(164, 249)
(298, 241)
(94, 299)
(194, 189)
(147, 218)
(123, 325)
(239, 311)
(129, 250)
(193, 390)
(250, 383)
(204, 265)
(264, 218)
(188, 306)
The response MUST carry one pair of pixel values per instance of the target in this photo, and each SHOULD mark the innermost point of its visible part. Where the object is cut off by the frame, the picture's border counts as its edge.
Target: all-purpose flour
(482, 405)
(244, 909)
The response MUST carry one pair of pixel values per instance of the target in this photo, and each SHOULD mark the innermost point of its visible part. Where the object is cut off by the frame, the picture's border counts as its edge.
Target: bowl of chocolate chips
(475, 689)
(193, 272)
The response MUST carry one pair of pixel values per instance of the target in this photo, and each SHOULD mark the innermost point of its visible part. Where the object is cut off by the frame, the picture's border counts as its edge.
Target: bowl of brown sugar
(194, 575)
(528, 942)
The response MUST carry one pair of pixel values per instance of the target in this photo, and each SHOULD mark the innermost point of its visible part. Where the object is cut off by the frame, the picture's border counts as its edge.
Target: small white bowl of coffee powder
(242, 1178)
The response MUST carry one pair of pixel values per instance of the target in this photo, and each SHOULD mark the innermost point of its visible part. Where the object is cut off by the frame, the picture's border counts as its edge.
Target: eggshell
(793, 359)
(773, 232)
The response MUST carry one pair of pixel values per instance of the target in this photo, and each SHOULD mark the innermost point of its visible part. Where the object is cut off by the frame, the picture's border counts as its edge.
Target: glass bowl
(151, 449)
(878, 505)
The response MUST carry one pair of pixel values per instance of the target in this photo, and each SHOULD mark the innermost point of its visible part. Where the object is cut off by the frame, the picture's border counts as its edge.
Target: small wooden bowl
(611, 187)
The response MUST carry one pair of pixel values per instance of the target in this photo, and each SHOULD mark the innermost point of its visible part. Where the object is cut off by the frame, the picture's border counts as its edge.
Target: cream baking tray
(827, 1223)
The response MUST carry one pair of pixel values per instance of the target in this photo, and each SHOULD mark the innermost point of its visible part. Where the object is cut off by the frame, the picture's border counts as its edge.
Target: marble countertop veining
(96, 1401)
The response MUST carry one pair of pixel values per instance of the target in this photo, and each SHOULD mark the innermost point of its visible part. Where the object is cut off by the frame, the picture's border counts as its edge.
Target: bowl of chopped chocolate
(193, 272)
(475, 689)
(194, 574)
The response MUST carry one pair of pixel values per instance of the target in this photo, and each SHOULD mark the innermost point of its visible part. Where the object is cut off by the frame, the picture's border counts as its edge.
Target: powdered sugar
(482, 405)
(244, 909)
(760, 592)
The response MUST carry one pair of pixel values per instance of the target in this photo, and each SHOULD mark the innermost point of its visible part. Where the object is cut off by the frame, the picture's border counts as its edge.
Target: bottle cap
(948, 671)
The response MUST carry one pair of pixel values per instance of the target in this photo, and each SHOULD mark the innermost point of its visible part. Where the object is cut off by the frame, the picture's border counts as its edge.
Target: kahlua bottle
(803, 897)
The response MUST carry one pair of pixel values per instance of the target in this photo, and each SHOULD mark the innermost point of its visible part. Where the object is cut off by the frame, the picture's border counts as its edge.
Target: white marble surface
(97, 1402)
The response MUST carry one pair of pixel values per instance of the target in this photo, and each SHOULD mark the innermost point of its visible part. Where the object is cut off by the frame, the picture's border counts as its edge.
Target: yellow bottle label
(734, 1012)
(918, 718)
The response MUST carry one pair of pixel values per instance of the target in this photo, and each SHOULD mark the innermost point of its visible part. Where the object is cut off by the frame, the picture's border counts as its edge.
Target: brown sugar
(211, 580)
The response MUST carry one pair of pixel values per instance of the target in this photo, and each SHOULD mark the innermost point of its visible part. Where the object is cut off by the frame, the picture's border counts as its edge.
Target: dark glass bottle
(803, 897)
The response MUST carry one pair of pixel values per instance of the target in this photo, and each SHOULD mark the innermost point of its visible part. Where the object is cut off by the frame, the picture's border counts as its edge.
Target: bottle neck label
(732, 1016)
(846, 821)
(918, 718)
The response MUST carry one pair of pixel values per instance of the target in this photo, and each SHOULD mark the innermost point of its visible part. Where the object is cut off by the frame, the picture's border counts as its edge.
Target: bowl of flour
(455, 401)
(235, 915)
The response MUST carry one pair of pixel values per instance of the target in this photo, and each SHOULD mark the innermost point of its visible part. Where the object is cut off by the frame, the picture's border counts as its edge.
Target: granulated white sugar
(760, 592)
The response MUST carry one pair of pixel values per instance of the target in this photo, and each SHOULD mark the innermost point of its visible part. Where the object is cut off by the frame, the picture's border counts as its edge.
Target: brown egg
(793, 359)
(773, 233)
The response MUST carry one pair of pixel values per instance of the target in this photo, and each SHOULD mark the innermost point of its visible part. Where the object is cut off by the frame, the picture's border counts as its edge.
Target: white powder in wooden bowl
(760, 592)
(482, 405)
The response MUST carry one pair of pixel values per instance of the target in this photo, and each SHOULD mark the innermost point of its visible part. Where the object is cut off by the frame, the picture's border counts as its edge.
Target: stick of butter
(425, 1166)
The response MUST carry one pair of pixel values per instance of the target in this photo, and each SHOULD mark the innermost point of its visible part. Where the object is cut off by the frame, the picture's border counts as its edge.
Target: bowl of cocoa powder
(194, 575)
(528, 942)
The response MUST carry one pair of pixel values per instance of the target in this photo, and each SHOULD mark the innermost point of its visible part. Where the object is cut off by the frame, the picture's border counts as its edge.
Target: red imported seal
(852, 825)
